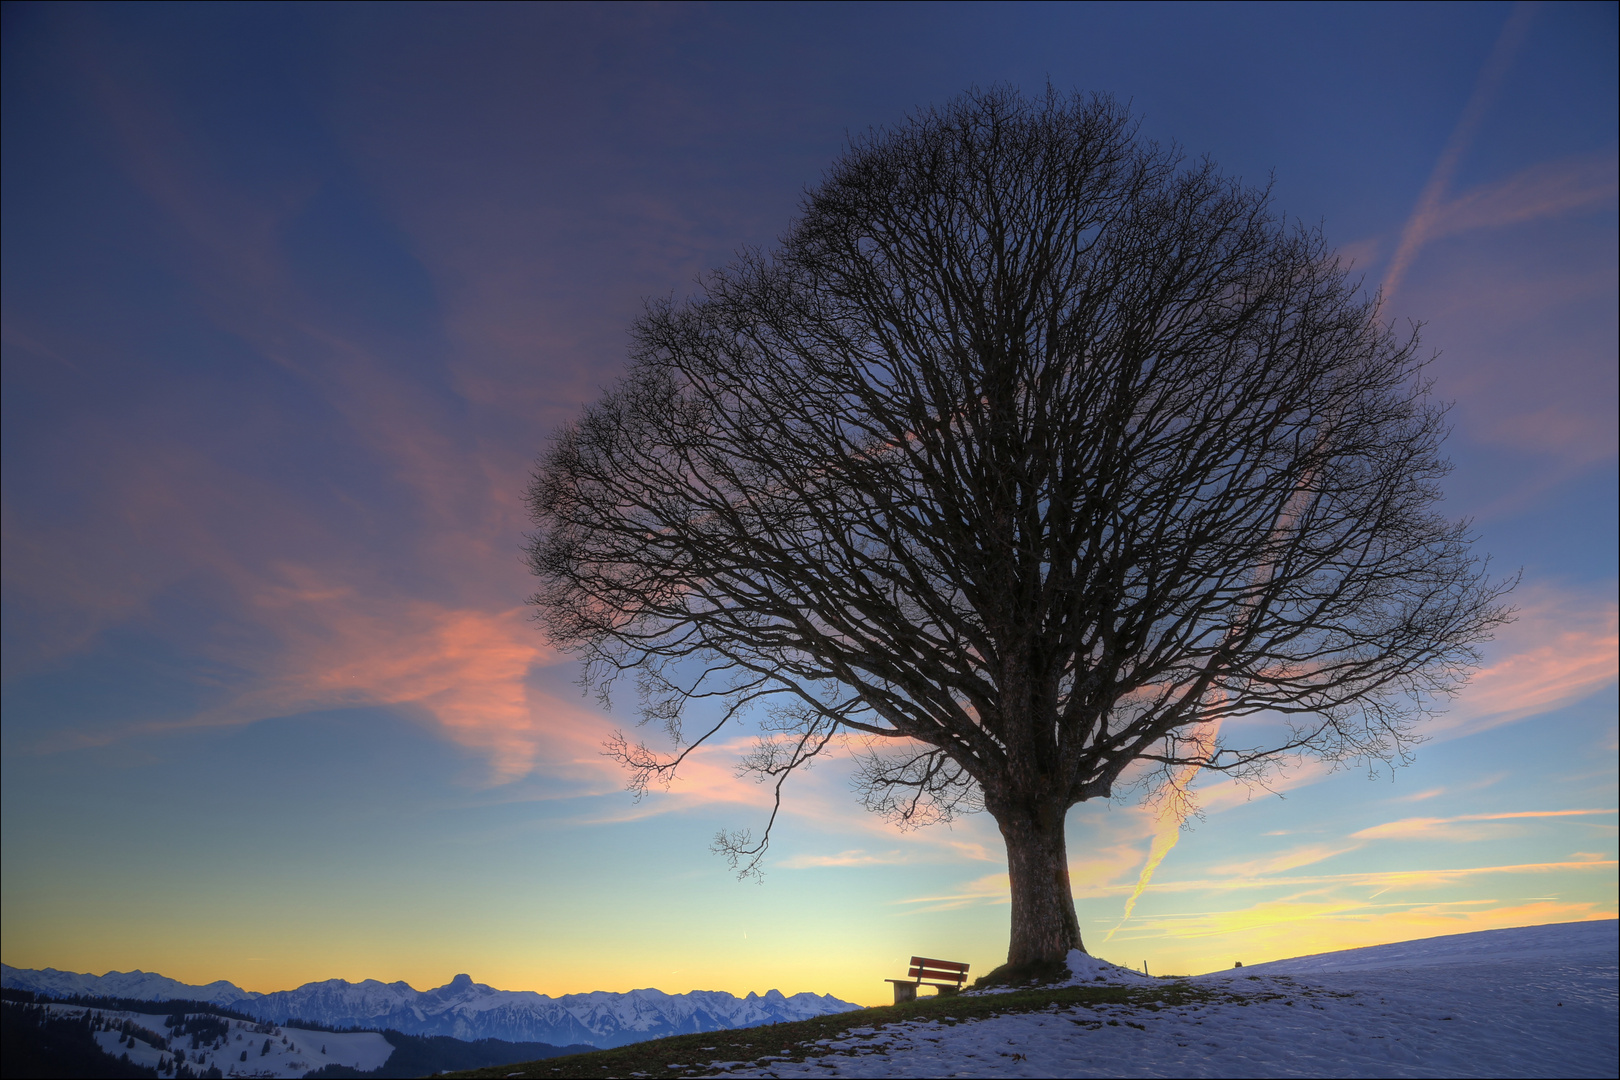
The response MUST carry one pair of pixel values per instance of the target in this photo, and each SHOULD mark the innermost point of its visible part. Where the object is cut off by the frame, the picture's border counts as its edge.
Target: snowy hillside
(1535, 1001)
(238, 1048)
(461, 1009)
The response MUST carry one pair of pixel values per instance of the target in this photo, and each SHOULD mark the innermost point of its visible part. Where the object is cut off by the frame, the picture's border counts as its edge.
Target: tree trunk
(1044, 925)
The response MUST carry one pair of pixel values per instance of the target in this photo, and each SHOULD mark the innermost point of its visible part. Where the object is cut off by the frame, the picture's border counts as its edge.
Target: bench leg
(946, 991)
(904, 992)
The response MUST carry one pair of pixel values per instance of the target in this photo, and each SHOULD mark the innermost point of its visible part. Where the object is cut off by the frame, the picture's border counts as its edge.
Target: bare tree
(1029, 453)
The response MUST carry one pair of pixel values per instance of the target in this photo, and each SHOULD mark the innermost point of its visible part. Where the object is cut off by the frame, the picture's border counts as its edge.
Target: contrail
(1172, 812)
(1167, 829)
(1428, 208)
(1178, 798)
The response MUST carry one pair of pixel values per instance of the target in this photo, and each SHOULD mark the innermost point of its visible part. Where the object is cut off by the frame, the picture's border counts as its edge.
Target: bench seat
(928, 972)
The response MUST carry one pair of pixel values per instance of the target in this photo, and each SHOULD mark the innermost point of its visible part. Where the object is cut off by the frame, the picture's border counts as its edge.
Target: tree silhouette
(1030, 453)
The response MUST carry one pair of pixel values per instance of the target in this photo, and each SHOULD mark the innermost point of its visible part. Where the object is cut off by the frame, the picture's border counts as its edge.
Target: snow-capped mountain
(462, 1008)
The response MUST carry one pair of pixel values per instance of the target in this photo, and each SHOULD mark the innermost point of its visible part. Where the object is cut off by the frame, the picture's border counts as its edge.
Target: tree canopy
(1032, 451)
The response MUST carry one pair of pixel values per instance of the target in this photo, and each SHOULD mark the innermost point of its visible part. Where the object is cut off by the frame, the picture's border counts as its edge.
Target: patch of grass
(1035, 974)
(798, 1040)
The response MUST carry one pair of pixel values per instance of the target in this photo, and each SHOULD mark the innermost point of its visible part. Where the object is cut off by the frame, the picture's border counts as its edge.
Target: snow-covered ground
(1535, 1001)
(292, 1051)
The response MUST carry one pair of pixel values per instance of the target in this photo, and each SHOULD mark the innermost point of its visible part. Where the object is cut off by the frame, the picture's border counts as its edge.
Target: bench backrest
(938, 970)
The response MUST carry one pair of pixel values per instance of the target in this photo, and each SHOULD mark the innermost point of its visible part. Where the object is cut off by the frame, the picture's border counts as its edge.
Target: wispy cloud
(989, 889)
(1351, 898)
(1550, 189)
(1458, 827)
(311, 610)
(1170, 808)
(1420, 796)
(1479, 783)
(1372, 879)
(1563, 647)
(1298, 927)
(1429, 210)
(853, 857)
(1218, 793)
(1292, 859)
(469, 669)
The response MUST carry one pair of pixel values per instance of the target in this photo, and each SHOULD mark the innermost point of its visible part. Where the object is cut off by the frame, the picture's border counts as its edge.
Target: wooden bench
(935, 972)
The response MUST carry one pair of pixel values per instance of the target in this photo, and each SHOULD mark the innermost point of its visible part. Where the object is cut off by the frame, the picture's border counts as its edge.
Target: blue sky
(293, 295)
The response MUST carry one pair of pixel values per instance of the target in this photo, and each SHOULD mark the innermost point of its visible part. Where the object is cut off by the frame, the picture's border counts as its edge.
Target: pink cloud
(1563, 647)
(1562, 430)
(1547, 190)
(467, 668)
(1420, 796)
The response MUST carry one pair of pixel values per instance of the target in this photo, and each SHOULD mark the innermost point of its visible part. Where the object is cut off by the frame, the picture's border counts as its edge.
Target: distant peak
(461, 980)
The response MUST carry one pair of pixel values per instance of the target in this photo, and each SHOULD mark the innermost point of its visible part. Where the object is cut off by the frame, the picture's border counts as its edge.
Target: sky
(293, 295)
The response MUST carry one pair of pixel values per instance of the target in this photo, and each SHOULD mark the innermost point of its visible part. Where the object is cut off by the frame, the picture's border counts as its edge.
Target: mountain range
(462, 1009)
